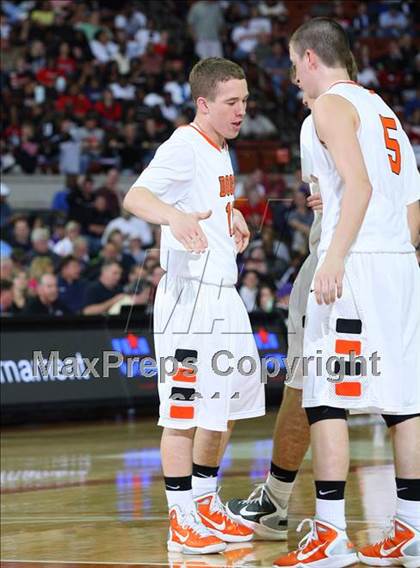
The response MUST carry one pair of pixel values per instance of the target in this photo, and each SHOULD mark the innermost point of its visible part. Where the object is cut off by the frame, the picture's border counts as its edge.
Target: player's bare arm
(240, 231)
(340, 138)
(413, 215)
(315, 202)
(184, 226)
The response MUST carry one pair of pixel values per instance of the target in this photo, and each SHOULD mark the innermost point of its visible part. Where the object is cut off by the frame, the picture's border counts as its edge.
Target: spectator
(102, 295)
(96, 220)
(80, 200)
(20, 236)
(6, 297)
(6, 268)
(40, 245)
(5, 209)
(277, 66)
(362, 23)
(266, 299)
(273, 9)
(38, 266)
(111, 192)
(20, 291)
(300, 221)
(71, 287)
(64, 247)
(103, 49)
(46, 302)
(249, 289)
(131, 228)
(81, 252)
(245, 38)
(255, 124)
(206, 22)
(392, 22)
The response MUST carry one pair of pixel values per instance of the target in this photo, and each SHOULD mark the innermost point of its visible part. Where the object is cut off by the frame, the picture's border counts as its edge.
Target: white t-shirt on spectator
(131, 228)
(126, 93)
(153, 99)
(103, 52)
(145, 36)
(64, 247)
(179, 93)
(242, 42)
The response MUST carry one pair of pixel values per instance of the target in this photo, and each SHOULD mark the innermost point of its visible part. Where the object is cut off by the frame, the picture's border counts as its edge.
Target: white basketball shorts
(210, 324)
(371, 335)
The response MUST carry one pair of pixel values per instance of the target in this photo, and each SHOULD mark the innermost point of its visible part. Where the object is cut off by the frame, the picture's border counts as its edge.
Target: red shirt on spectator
(78, 104)
(47, 76)
(111, 113)
(65, 66)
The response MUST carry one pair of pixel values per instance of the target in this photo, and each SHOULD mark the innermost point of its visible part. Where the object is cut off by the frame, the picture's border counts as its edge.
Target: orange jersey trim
(209, 140)
(183, 412)
(344, 347)
(348, 389)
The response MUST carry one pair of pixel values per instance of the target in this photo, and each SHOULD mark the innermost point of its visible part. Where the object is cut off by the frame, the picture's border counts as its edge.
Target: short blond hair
(208, 73)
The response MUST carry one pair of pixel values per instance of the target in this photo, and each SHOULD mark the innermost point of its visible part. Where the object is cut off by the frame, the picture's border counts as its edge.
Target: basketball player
(188, 189)
(366, 298)
(265, 510)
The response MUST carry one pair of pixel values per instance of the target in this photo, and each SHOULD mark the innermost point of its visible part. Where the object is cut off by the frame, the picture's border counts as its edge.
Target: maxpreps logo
(134, 348)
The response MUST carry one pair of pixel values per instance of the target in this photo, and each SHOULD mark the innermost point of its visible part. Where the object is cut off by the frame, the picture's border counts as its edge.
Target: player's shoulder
(180, 142)
(307, 126)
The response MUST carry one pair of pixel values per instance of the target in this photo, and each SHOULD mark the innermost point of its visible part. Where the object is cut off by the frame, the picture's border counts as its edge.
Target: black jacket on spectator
(72, 296)
(36, 308)
(96, 293)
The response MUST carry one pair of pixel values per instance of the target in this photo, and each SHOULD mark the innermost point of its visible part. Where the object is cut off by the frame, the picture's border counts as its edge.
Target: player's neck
(332, 77)
(202, 125)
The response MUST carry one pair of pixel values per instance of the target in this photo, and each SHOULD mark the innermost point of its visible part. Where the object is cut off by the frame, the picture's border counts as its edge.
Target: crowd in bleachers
(93, 88)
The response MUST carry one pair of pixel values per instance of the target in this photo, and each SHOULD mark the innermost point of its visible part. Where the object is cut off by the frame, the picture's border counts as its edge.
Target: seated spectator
(6, 268)
(255, 124)
(64, 247)
(248, 289)
(266, 299)
(392, 22)
(5, 209)
(6, 297)
(245, 38)
(111, 191)
(20, 234)
(74, 102)
(80, 200)
(109, 109)
(362, 23)
(123, 90)
(273, 9)
(81, 251)
(71, 287)
(131, 227)
(300, 220)
(206, 22)
(96, 220)
(46, 302)
(20, 291)
(100, 296)
(41, 245)
(277, 66)
(38, 266)
(103, 49)
(136, 250)
(60, 200)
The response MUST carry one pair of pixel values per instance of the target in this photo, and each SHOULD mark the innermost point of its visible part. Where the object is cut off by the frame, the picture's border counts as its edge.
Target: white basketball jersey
(391, 166)
(193, 174)
(309, 176)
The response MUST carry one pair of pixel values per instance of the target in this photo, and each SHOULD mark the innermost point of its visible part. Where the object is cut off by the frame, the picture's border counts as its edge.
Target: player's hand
(328, 282)
(240, 231)
(315, 202)
(185, 227)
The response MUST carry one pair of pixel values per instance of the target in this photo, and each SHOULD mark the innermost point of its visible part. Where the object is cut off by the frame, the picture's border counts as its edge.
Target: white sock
(332, 511)
(183, 499)
(280, 490)
(203, 485)
(409, 511)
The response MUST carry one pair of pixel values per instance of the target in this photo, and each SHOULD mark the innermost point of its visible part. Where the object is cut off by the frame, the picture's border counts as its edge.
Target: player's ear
(202, 105)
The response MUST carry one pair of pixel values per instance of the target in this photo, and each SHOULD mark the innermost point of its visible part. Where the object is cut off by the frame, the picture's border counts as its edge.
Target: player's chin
(233, 131)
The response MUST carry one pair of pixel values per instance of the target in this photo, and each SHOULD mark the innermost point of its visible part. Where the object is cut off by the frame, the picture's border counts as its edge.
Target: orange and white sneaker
(214, 516)
(188, 535)
(325, 545)
(401, 547)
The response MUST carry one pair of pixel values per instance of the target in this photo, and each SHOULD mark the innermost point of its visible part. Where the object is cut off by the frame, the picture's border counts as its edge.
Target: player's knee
(318, 413)
(395, 419)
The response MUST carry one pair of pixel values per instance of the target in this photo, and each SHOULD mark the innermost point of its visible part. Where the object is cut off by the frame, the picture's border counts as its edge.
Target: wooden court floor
(91, 494)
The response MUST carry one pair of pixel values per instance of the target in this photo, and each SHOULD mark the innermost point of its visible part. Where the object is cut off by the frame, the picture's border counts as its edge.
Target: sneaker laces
(312, 534)
(389, 533)
(193, 521)
(257, 495)
(218, 507)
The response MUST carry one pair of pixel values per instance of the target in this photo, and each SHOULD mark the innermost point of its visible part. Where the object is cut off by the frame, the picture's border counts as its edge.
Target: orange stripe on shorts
(185, 412)
(343, 346)
(184, 375)
(348, 389)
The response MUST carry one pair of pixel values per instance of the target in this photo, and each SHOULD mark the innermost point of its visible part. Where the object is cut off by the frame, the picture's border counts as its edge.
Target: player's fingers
(332, 289)
(325, 291)
(339, 286)
(203, 215)
(318, 290)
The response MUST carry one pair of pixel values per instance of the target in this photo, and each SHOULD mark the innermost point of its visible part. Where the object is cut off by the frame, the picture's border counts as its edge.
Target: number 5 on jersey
(389, 123)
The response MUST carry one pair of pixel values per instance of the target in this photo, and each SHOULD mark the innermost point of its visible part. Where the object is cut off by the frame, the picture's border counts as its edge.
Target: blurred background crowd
(91, 89)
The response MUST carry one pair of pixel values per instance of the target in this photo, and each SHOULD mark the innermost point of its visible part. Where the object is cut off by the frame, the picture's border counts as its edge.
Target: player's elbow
(128, 201)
